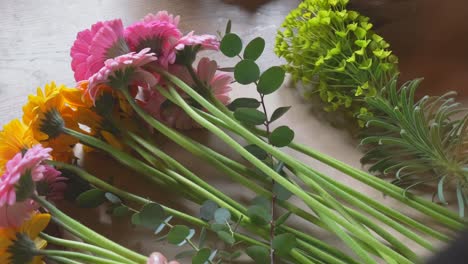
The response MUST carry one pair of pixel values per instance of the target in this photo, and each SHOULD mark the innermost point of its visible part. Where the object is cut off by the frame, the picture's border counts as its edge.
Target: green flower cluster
(334, 53)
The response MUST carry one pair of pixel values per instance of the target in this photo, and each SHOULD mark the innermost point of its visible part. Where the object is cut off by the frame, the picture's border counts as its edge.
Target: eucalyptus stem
(273, 196)
(77, 256)
(294, 189)
(93, 236)
(86, 247)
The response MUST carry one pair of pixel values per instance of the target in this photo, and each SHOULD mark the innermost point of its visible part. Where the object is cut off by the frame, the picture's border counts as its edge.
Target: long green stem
(263, 167)
(385, 187)
(299, 192)
(93, 236)
(63, 260)
(187, 173)
(140, 200)
(86, 247)
(370, 180)
(264, 192)
(77, 256)
(375, 208)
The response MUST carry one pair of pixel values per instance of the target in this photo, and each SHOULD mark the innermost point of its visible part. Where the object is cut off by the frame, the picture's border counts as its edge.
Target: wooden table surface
(36, 37)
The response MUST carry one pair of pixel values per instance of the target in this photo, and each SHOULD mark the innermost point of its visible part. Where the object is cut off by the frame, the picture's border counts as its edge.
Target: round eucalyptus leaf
(271, 80)
(222, 216)
(281, 193)
(136, 219)
(226, 237)
(178, 234)
(231, 45)
(254, 49)
(151, 215)
(281, 136)
(284, 243)
(259, 254)
(259, 215)
(207, 210)
(120, 211)
(244, 102)
(279, 112)
(250, 116)
(91, 198)
(258, 152)
(202, 256)
(246, 72)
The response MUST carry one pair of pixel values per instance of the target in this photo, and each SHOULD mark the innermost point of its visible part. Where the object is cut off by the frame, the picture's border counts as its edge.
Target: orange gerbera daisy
(34, 114)
(30, 229)
(14, 137)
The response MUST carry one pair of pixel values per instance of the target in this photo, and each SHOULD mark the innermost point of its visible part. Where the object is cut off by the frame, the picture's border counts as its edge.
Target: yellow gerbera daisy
(31, 229)
(34, 115)
(14, 137)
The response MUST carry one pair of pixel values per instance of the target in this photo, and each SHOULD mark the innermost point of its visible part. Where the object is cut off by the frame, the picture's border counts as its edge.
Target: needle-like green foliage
(420, 142)
(335, 54)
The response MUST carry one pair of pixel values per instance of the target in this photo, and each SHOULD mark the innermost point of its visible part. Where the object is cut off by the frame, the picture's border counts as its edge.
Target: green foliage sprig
(335, 54)
(420, 142)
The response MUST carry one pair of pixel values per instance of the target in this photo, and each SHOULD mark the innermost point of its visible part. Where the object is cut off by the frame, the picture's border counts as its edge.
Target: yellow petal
(35, 225)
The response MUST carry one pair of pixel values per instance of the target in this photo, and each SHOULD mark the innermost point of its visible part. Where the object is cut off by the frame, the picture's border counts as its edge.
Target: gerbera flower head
(158, 258)
(14, 215)
(94, 46)
(159, 33)
(124, 68)
(218, 83)
(38, 114)
(162, 16)
(17, 183)
(214, 82)
(52, 185)
(205, 42)
(18, 244)
(15, 137)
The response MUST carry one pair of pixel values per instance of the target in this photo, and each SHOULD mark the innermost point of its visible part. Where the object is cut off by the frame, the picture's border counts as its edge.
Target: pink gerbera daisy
(19, 165)
(12, 211)
(14, 215)
(52, 185)
(158, 258)
(206, 42)
(162, 16)
(93, 46)
(217, 82)
(131, 61)
(159, 33)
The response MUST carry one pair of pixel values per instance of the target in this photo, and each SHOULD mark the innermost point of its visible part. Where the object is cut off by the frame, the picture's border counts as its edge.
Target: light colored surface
(34, 45)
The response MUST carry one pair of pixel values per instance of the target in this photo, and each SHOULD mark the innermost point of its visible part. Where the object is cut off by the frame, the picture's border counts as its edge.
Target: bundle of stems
(324, 197)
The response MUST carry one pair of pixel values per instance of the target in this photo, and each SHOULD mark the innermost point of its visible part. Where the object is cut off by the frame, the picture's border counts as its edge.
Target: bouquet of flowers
(149, 79)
